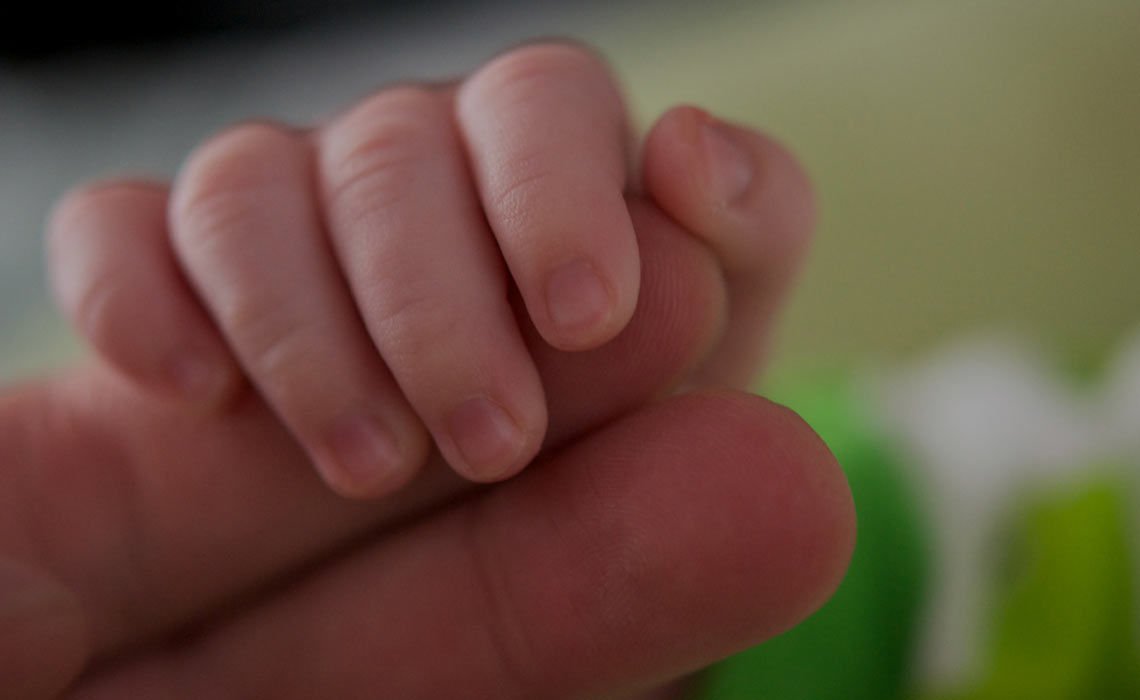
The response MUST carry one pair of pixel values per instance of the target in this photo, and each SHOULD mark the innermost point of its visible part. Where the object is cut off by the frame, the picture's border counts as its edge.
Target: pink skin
(543, 588)
(326, 266)
(185, 549)
(687, 530)
(749, 200)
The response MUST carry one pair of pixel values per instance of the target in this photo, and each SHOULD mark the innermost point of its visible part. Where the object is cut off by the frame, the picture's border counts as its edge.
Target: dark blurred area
(48, 31)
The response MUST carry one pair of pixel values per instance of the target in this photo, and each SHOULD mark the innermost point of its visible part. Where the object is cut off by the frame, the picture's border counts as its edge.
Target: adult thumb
(42, 637)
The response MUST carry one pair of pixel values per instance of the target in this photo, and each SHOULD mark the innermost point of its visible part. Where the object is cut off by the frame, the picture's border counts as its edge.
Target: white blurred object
(986, 418)
(1121, 398)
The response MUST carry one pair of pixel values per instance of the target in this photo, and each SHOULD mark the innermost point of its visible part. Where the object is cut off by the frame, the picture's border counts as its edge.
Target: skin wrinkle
(504, 633)
(390, 146)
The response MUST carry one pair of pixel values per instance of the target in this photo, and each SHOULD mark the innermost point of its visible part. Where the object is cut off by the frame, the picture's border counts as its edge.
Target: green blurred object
(860, 644)
(1063, 622)
(1063, 627)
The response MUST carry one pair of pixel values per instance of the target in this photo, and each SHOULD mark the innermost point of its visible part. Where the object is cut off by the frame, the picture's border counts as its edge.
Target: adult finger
(546, 134)
(748, 198)
(674, 537)
(42, 638)
(247, 228)
(153, 515)
(115, 277)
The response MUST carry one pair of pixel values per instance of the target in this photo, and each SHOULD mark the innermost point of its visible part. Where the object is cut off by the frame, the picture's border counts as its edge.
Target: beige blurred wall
(977, 163)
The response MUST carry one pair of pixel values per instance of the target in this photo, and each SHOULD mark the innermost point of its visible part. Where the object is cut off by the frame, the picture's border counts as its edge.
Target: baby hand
(373, 276)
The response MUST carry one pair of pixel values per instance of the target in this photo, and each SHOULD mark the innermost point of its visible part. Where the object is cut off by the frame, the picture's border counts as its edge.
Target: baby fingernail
(363, 453)
(577, 299)
(488, 439)
(730, 160)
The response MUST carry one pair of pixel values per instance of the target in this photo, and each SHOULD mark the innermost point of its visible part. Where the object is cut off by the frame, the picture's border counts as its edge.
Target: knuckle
(84, 230)
(366, 157)
(510, 200)
(404, 98)
(227, 173)
(92, 306)
(206, 223)
(411, 322)
(236, 157)
(92, 200)
(524, 67)
(277, 352)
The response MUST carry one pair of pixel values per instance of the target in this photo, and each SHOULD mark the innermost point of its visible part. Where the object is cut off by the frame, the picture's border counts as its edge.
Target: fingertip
(667, 157)
(362, 456)
(486, 442)
(778, 520)
(588, 305)
(738, 188)
(748, 199)
(113, 275)
(810, 513)
(679, 321)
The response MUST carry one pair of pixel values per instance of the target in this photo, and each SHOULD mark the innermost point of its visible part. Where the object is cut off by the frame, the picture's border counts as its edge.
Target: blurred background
(964, 336)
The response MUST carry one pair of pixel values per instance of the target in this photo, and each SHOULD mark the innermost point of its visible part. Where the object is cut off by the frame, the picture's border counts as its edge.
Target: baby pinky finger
(114, 276)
